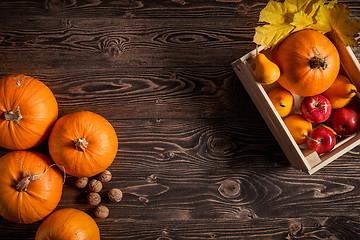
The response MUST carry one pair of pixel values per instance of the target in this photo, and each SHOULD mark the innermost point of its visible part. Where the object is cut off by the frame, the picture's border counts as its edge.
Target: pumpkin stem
(22, 186)
(13, 115)
(80, 144)
(318, 62)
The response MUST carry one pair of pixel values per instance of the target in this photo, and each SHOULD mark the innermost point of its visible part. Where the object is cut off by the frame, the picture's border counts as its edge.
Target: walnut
(95, 185)
(101, 211)
(115, 195)
(105, 176)
(93, 198)
(81, 182)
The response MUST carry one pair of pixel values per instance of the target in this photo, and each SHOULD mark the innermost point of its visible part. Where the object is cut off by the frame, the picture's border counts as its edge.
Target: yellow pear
(298, 127)
(266, 72)
(340, 92)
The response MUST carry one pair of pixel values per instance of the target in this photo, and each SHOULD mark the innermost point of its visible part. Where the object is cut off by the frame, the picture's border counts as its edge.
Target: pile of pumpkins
(81, 144)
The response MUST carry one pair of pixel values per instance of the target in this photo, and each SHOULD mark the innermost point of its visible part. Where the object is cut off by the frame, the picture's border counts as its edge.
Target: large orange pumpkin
(84, 142)
(28, 109)
(68, 224)
(31, 186)
(309, 63)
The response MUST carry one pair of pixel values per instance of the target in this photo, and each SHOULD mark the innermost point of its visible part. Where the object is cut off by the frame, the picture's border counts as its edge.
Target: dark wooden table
(195, 158)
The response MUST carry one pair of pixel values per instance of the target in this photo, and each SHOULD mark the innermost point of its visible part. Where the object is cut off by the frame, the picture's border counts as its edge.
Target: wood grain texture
(341, 228)
(134, 8)
(195, 158)
(119, 43)
(149, 92)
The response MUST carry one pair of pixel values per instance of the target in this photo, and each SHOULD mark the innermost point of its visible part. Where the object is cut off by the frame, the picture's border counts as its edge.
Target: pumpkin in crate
(68, 224)
(84, 142)
(31, 186)
(28, 110)
(309, 63)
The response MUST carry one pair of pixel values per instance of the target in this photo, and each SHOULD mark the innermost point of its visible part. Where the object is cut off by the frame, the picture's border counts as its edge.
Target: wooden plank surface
(195, 158)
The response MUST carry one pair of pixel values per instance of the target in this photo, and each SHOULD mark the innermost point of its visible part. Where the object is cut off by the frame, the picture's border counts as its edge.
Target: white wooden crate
(299, 156)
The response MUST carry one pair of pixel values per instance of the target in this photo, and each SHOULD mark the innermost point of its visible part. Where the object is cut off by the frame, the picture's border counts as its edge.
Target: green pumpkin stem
(80, 144)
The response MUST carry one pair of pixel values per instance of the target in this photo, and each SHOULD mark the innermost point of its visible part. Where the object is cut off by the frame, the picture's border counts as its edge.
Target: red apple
(345, 121)
(316, 108)
(321, 140)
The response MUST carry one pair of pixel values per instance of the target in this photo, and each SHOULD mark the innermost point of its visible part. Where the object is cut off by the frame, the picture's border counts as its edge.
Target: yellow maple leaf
(323, 18)
(294, 15)
(307, 6)
(275, 13)
(283, 19)
(336, 17)
(270, 34)
(301, 21)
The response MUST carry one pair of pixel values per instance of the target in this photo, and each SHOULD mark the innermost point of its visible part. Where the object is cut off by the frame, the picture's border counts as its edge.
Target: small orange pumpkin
(309, 63)
(84, 142)
(28, 110)
(31, 186)
(68, 224)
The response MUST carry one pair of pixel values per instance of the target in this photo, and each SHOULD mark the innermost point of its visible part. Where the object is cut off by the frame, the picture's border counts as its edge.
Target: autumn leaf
(294, 15)
(271, 34)
(301, 21)
(275, 13)
(322, 18)
(306, 6)
(336, 18)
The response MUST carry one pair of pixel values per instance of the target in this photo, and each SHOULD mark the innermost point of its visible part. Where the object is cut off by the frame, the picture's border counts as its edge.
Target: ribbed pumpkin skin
(38, 108)
(68, 224)
(42, 196)
(96, 130)
(293, 56)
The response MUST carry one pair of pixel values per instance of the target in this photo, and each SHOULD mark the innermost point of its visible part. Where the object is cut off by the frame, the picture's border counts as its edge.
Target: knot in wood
(113, 46)
(54, 4)
(246, 213)
(151, 178)
(221, 145)
(164, 235)
(295, 228)
(229, 188)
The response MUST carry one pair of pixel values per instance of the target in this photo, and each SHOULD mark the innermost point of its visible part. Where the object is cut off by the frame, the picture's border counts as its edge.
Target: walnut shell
(93, 198)
(95, 185)
(115, 195)
(105, 176)
(81, 182)
(101, 211)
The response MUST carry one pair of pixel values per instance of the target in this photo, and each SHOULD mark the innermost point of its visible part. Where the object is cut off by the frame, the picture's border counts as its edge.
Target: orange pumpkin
(31, 186)
(309, 63)
(84, 142)
(28, 110)
(68, 224)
